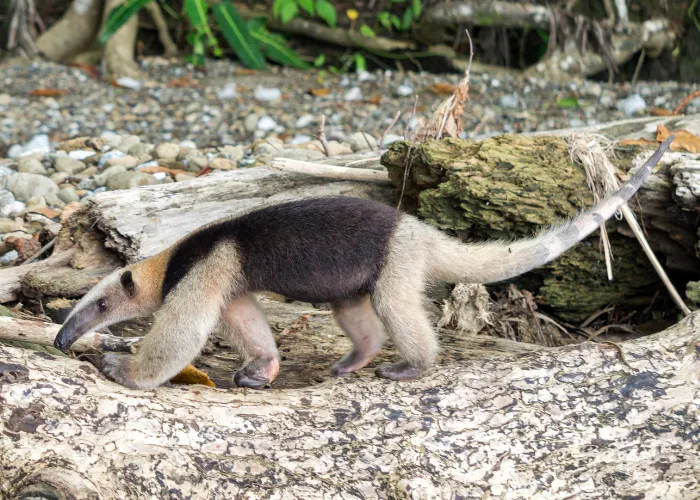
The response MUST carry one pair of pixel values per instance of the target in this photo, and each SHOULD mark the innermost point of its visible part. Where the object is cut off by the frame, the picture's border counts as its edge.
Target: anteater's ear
(127, 281)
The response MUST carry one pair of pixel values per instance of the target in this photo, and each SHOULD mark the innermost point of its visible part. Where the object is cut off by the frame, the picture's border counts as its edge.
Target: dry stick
(369, 145)
(638, 68)
(634, 225)
(322, 136)
(685, 101)
(391, 125)
(330, 171)
(41, 251)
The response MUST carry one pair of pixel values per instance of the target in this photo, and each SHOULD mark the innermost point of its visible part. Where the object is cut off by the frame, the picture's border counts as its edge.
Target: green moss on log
(512, 186)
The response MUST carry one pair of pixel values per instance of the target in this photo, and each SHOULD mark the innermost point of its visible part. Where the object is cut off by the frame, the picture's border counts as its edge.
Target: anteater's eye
(102, 305)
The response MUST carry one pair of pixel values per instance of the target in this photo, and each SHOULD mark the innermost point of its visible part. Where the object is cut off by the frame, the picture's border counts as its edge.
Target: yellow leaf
(191, 375)
(352, 14)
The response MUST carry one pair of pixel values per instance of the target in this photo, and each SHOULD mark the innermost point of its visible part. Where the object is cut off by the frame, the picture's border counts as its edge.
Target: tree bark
(118, 58)
(536, 422)
(74, 33)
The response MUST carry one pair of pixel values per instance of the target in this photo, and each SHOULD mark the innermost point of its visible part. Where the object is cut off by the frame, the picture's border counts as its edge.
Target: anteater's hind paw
(257, 374)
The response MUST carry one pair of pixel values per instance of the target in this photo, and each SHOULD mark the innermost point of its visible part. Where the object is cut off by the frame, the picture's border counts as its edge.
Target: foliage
(252, 43)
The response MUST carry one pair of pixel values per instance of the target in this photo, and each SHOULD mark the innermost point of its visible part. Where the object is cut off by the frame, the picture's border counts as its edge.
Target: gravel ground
(158, 131)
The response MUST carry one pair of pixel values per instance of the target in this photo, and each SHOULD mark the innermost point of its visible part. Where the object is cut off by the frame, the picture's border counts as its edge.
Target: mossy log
(512, 186)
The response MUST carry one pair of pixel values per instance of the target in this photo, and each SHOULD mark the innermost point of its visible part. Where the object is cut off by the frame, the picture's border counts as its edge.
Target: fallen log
(493, 418)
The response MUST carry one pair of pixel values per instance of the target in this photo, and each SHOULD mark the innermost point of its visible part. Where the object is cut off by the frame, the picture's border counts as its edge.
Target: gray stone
(141, 149)
(196, 161)
(270, 146)
(184, 177)
(6, 197)
(69, 165)
(68, 195)
(101, 179)
(8, 225)
(336, 148)
(110, 155)
(510, 100)
(223, 164)
(167, 151)
(126, 161)
(129, 179)
(31, 166)
(24, 186)
(111, 139)
(128, 142)
(12, 208)
(304, 121)
(53, 200)
(9, 257)
(300, 154)
(5, 99)
(228, 91)
(362, 142)
(233, 153)
(251, 122)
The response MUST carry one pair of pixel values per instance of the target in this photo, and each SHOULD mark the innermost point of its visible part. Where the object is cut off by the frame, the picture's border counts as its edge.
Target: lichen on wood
(512, 186)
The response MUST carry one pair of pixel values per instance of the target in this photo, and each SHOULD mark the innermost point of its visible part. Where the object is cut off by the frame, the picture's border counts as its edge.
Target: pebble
(129, 83)
(5, 99)
(304, 121)
(129, 179)
(32, 166)
(251, 123)
(300, 139)
(9, 257)
(101, 179)
(68, 195)
(68, 165)
(267, 94)
(167, 151)
(222, 164)
(389, 138)
(25, 186)
(632, 105)
(354, 94)
(12, 208)
(233, 153)
(266, 124)
(108, 156)
(184, 177)
(404, 90)
(228, 91)
(362, 142)
(80, 154)
(510, 101)
(38, 144)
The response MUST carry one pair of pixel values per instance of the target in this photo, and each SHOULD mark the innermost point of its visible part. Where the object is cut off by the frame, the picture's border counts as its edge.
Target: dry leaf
(319, 92)
(377, 99)
(191, 375)
(660, 112)
(246, 72)
(684, 141)
(184, 82)
(47, 93)
(638, 142)
(91, 69)
(442, 88)
(298, 325)
(46, 212)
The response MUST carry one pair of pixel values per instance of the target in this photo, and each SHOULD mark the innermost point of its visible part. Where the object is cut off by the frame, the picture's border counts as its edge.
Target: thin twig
(590, 319)
(634, 225)
(410, 119)
(391, 125)
(685, 101)
(639, 67)
(369, 145)
(621, 351)
(41, 251)
(322, 136)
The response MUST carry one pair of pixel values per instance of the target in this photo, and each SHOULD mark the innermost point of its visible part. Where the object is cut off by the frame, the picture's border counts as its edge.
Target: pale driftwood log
(529, 423)
(140, 222)
(330, 171)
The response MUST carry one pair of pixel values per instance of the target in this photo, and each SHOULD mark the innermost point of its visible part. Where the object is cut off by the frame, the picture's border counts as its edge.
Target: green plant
(251, 41)
(286, 10)
(390, 21)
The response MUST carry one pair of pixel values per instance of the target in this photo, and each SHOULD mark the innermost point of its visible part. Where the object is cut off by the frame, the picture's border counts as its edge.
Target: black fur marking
(315, 250)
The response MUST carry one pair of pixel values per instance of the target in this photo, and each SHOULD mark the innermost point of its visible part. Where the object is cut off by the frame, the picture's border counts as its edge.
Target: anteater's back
(315, 250)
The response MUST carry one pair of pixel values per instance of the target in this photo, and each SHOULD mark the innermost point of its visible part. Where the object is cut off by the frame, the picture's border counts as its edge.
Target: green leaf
(384, 19)
(276, 49)
(308, 6)
(417, 8)
(396, 21)
(398, 1)
(118, 17)
(320, 61)
(196, 12)
(237, 35)
(568, 102)
(407, 20)
(360, 62)
(367, 31)
(288, 12)
(277, 6)
(326, 11)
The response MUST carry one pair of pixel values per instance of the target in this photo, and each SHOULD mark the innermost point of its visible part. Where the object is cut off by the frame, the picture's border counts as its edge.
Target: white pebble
(80, 154)
(159, 176)
(354, 94)
(404, 90)
(9, 257)
(266, 123)
(37, 144)
(304, 121)
(267, 94)
(11, 208)
(301, 139)
(129, 83)
(632, 104)
(152, 163)
(108, 156)
(228, 91)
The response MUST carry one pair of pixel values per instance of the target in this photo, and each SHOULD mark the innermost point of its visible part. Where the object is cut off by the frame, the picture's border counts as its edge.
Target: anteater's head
(127, 293)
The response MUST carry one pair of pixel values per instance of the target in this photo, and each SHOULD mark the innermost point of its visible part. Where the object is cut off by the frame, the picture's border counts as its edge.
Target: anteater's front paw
(117, 367)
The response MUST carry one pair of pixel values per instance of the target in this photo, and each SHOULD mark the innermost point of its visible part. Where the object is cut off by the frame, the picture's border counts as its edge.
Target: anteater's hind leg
(245, 323)
(359, 321)
(399, 302)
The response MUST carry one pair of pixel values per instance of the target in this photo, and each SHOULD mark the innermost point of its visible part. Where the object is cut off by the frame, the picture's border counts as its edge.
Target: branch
(392, 440)
(331, 171)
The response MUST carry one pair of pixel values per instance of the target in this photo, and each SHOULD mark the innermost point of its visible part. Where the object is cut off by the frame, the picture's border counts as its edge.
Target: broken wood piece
(330, 171)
